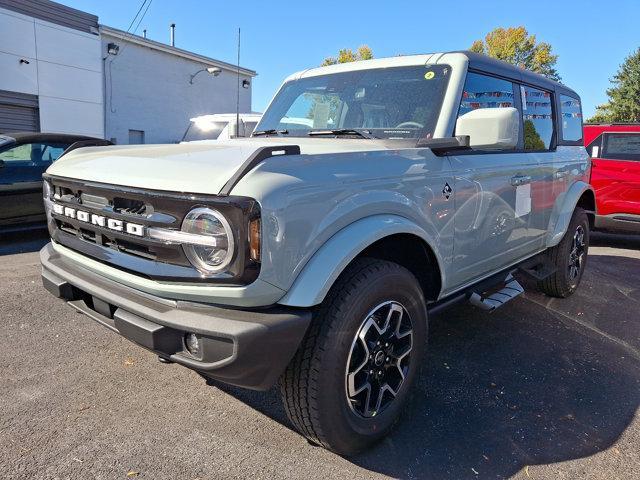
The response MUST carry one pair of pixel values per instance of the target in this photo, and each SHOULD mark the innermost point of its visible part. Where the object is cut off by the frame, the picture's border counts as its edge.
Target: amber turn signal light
(254, 239)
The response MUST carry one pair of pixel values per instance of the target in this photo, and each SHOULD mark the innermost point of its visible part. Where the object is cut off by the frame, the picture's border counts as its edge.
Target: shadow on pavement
(615, 240)
(540, 381)
(23, 242)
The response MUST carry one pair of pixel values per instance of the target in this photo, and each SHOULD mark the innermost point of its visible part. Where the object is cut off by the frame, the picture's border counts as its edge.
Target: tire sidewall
(579, 219)
(395, 284)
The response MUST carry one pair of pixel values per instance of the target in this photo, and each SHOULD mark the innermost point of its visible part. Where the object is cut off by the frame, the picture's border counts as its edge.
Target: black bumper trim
(245, 348)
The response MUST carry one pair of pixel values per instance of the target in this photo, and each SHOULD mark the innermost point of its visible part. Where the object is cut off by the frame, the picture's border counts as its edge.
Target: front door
(492, 192)
(492, 197)
(21, 169)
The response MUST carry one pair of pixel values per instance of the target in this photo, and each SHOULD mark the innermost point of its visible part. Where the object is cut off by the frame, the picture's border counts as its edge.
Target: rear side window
(571, 114)
(537, 116)
(481, 91)
(622, 146)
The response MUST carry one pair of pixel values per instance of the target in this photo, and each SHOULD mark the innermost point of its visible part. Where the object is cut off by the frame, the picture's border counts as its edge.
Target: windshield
(5, 139)
(204, 131)
(398, 102)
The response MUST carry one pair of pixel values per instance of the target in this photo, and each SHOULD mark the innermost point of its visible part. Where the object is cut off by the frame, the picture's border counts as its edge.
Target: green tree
(516, 46)
(624, 95)
(532, 140)
(346, 55)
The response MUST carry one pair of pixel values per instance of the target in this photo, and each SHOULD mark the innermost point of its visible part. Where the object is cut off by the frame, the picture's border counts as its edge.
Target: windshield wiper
(271, 131)
(343, 131)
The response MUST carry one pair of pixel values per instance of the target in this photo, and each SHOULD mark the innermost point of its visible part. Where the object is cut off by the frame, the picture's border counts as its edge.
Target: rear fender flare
(563, 211)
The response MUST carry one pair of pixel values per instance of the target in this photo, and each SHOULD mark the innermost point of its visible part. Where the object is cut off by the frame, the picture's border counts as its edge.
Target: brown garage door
(18, 112)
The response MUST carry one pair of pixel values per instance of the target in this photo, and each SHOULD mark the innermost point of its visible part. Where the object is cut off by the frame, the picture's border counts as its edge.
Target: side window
(34, 153)
(481, 91)
(537, 116)
(622, 146)
(19, 153)
(249, 127)
(571, 115)
(595, 147)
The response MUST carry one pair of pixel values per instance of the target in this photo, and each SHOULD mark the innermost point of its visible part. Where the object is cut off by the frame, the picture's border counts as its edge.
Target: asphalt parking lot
(542, 388)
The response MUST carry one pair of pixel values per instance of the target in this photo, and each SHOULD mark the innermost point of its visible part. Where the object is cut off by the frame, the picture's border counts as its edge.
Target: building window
(622, 146)
(136, 137)
(481, 91)
(571, 114)
(537, 115)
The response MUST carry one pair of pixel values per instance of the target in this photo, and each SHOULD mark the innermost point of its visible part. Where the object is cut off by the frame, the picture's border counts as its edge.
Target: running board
(497, 299)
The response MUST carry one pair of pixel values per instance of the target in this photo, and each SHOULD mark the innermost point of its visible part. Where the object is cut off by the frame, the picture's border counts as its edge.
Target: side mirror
(490, 128)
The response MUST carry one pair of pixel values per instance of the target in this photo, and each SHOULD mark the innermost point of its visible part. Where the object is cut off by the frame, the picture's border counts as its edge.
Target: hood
(202, 167)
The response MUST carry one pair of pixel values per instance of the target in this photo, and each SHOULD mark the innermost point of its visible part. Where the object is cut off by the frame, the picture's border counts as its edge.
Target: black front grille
(149, 208)
(127, 206)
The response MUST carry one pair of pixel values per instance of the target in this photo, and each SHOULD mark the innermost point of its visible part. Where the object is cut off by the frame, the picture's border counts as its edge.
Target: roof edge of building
(153, 44)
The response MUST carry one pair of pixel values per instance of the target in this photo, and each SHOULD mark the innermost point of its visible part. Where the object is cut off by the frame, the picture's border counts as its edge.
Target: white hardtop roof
(399, 61)
(457, 60)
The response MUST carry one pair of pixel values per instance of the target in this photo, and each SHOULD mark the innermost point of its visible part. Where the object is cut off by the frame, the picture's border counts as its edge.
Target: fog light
(192, 343)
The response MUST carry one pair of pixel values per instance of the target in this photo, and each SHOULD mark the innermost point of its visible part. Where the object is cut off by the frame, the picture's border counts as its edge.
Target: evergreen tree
(624, 95)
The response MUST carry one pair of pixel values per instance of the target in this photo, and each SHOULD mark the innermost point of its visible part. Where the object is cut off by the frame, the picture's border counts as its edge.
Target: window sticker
(523, 200)
(429, 75)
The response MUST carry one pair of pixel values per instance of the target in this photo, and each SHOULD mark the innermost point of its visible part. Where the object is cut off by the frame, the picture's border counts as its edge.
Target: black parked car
(23, 159)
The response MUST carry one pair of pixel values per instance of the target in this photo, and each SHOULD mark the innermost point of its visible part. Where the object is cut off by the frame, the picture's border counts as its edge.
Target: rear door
(615, 173)
(540, 142)
(492, 192)
(21, 169)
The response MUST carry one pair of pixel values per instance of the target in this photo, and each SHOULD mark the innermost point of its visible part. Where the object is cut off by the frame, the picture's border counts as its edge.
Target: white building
(63, 72)
(149, 95)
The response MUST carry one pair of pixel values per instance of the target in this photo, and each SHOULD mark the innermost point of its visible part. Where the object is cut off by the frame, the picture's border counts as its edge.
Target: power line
(137, 13)
(129, 34)
(126, 39)
(142, 17)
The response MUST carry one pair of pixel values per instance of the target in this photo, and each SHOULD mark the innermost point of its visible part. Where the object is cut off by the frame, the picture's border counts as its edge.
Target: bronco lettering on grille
(99, 220)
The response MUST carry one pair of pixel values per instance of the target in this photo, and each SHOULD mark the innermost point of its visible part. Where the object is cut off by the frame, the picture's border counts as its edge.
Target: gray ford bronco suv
(371, 195)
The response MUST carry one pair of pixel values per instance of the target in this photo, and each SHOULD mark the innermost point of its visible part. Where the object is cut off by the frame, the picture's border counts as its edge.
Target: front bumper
(618, 222)
(245, 348)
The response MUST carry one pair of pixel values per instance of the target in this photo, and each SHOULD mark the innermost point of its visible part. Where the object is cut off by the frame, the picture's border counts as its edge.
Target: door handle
(520, 180)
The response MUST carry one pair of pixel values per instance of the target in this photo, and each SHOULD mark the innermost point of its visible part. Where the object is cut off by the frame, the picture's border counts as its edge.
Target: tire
(564, 256)
(328, 366)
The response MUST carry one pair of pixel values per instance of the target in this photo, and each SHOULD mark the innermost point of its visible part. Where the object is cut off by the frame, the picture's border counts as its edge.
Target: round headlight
(213, 258)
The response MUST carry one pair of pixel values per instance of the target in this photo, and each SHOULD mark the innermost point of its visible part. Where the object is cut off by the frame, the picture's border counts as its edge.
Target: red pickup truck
(615, 175)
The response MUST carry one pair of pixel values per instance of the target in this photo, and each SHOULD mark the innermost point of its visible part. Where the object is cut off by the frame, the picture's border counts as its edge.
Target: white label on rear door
(523, 200)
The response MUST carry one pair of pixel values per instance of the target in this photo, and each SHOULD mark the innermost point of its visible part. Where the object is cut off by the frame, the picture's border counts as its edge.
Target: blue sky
(591, 38)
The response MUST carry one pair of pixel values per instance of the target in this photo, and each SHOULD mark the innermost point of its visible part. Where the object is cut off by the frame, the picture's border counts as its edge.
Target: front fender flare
(313, 283)
(563, 211)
